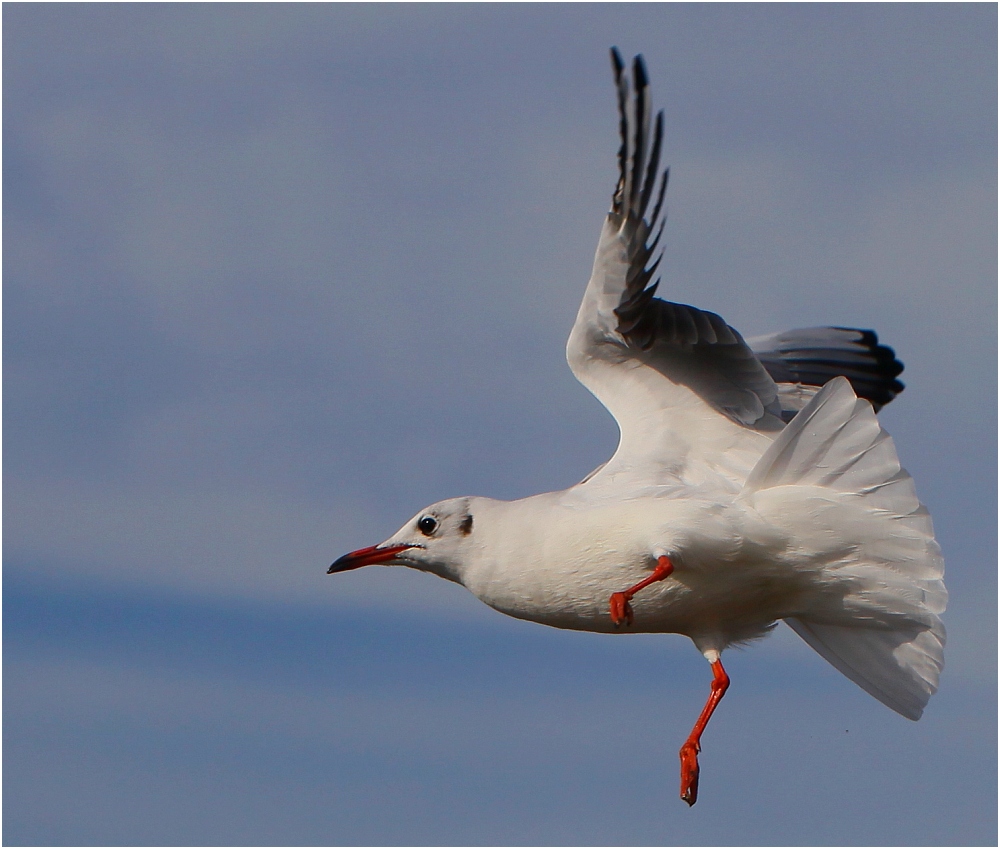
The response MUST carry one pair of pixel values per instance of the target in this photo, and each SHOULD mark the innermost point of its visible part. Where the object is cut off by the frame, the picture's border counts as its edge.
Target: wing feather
(814, 355)
(682, 384)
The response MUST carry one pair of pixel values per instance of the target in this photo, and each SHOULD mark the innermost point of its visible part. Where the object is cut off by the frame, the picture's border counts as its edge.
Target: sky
(277, 276)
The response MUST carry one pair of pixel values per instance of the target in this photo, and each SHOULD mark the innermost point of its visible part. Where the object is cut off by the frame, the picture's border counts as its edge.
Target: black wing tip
(884, 356)
(889, 368)
(639, 74)
(638, 65)
(638, 164)
(617, 62)
(871, 367)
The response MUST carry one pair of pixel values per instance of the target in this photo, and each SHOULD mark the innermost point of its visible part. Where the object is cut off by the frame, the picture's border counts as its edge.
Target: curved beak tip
(366, 557)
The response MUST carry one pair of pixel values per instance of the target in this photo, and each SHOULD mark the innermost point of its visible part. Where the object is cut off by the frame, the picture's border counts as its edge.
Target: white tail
(832, 478)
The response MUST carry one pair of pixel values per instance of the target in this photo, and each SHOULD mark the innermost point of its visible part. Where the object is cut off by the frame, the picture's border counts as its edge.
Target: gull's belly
(574, 594)
(736, 598)
(565, 576)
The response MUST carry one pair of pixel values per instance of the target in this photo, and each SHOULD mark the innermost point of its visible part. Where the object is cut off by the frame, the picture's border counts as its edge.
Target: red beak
(366, 557)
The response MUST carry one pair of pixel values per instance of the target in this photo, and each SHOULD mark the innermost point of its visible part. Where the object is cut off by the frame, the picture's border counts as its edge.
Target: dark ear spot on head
(466, 526)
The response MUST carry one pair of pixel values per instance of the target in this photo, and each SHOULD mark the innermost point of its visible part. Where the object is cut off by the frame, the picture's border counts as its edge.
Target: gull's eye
(427, 525)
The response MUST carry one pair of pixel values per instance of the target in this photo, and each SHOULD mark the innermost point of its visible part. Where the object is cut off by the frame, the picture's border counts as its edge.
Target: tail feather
(833, 481)
(871, 659)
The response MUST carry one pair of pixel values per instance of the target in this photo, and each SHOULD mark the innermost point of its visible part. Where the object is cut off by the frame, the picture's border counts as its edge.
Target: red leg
(690, 749)
(621, 610)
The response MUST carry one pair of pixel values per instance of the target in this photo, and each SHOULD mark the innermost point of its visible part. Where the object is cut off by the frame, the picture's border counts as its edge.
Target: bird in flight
(752, 482)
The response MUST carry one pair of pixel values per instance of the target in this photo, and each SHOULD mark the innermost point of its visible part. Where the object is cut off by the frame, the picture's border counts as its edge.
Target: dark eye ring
(427, 525)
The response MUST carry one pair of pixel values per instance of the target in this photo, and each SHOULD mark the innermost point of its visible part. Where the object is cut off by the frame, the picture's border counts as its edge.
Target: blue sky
(275, 277)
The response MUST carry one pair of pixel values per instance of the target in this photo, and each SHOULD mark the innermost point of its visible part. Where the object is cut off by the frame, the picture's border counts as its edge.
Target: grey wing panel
(699, 350)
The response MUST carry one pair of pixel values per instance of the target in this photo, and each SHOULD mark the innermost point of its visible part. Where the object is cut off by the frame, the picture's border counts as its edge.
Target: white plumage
(714, 518)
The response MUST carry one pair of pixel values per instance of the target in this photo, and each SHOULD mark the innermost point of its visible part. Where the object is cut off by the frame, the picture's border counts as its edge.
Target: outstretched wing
(808, 358)
(691, 399)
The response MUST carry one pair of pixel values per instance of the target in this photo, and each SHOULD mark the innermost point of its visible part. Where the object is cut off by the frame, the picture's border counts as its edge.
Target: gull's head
(439, 539)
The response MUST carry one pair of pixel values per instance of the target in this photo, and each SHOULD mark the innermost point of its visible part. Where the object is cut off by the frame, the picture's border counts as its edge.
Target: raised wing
(690, 398)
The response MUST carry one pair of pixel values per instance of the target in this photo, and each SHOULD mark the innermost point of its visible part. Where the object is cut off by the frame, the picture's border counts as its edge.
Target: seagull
(752, 482)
